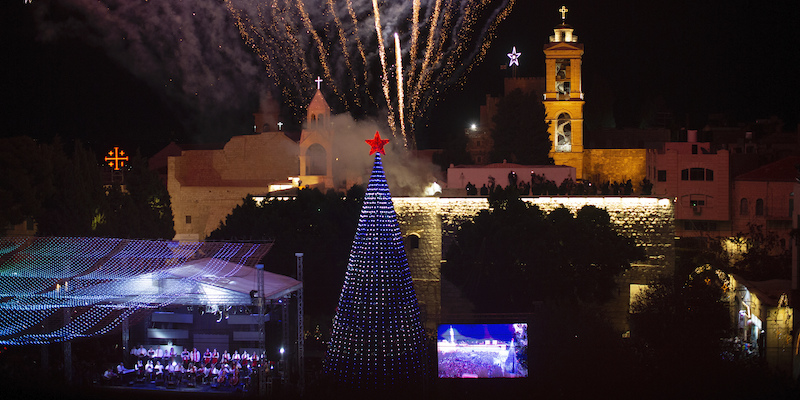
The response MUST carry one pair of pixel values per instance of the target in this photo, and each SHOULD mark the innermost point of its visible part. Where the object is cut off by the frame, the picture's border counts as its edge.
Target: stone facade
(601, 165)
(205, 185)
(649, 221)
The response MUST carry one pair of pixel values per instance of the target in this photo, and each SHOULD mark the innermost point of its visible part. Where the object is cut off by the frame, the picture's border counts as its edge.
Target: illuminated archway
(564, 133)
(317, 160)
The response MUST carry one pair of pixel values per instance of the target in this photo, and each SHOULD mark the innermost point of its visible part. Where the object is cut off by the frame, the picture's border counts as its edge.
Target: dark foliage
(509, 258)
(319, 225)
(64, 194)
(520, 133)
(767, 256)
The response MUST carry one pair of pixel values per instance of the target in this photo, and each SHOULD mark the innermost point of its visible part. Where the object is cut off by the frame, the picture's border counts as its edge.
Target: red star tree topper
(377, 144)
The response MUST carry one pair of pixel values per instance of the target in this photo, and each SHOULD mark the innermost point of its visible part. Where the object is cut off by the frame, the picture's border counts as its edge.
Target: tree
(75, 206)
(680, 321)
(512, 256)
(377, 342)
(520, 133)
(26, 179)
(767, 256)
(142, 210)
(319, 225)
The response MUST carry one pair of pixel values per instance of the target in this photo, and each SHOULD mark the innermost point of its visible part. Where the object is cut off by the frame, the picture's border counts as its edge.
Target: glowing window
(564, 133)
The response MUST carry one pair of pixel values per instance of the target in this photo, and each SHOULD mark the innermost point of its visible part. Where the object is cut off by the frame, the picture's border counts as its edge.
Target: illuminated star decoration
(377, 144)
(514, 56)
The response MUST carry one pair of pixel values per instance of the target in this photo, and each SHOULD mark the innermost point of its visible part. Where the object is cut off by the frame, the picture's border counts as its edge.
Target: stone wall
(649, 221)
(612, 165)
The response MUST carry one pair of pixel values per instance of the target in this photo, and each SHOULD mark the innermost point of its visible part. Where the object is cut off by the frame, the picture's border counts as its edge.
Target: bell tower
(316, 144)
(563, 97)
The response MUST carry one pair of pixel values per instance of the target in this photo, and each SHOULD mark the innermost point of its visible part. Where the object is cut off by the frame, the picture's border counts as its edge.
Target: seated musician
(222, 375)
(139, 370)
(124, 373)
(149, 370)
(159, 371)
(191, 374)
(207, 370)
(110, 375)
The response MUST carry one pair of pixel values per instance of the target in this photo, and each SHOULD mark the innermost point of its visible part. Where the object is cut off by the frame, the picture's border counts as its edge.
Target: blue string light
(377, 339)
(56, 289)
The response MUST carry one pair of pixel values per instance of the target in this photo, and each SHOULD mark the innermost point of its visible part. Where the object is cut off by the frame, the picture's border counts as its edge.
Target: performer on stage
(207, 357)
(159, 369)
(226, 356)
(185, 357)
(149, 370)
(151, 353)
(236, 356)
(215, 357)
(195, 356)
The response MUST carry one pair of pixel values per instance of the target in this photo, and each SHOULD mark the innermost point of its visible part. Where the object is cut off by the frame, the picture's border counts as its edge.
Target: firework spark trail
(359, 45)
(412, 58)
(430, 49)
(489, 33)
(385, 73)
(400, 103)
(345, 52)
(284, 33)
(323, 54)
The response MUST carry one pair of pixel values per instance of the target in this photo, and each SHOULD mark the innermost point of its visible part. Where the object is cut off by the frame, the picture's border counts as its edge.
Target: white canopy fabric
(56, 289)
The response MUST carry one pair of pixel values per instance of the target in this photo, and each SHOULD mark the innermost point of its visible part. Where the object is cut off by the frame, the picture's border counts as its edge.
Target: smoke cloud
(214, 58)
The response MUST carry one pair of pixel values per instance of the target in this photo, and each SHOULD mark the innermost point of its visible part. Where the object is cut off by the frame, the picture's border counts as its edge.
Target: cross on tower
(563, 10)
(318, 80)
(116, 159)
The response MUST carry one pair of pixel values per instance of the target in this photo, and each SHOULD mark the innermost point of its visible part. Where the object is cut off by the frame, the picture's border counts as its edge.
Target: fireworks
(344, 41)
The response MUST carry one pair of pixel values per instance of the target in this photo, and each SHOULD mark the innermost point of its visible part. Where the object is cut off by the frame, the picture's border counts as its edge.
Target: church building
(562, 95)
(206, 184)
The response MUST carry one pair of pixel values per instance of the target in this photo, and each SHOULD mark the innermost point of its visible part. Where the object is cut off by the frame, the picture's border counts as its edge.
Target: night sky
(103, 75)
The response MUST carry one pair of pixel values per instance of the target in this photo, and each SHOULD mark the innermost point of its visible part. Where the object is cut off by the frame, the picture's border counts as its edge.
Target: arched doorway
(317, 160)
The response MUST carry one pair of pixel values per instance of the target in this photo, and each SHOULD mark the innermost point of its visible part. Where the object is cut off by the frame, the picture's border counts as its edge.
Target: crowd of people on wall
(541, 186)
(160, 366)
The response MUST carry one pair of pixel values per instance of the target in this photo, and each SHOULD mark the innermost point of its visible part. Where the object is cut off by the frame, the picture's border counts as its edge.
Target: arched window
(564, 133)
(412, 241)
(743, 206)
(317, 160)
(759, 206)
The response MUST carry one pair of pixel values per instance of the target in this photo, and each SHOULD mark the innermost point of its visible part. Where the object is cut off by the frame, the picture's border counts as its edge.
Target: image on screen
(483, 350)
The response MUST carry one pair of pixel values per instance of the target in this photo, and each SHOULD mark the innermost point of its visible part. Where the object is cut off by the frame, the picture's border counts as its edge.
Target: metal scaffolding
(300, 328)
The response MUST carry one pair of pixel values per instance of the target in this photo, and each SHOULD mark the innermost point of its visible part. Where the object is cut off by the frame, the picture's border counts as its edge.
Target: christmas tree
(377, 340)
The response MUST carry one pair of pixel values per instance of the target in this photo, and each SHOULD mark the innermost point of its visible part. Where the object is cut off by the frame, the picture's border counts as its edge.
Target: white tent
(55, 289)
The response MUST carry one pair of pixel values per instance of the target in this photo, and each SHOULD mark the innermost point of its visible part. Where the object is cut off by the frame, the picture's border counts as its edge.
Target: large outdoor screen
(483, 350)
